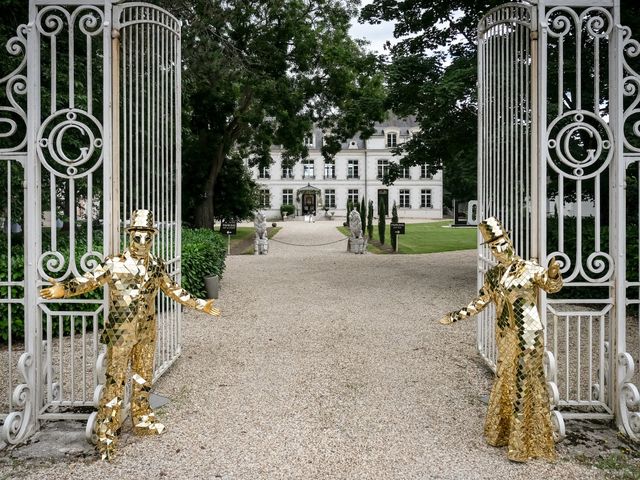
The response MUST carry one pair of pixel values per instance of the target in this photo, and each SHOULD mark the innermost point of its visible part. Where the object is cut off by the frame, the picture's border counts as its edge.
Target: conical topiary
(394, 219)
(363, 216)
(370, 220)
(381, 222)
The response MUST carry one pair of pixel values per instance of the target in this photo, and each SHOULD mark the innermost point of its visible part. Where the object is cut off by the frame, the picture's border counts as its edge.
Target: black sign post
(229, 227)
(397, 229)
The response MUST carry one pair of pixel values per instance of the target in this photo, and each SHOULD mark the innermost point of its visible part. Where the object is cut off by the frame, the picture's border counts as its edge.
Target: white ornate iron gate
(91, 117)
(559, 151)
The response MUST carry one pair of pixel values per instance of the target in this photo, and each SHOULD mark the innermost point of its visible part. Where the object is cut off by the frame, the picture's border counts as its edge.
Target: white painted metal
(585, 95)
(13, 156)
(504, 138)
(150, 149)
(59, 113)
(627, 70)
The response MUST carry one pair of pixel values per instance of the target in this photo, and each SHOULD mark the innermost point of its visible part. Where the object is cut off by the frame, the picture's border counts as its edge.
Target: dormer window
(392, 139)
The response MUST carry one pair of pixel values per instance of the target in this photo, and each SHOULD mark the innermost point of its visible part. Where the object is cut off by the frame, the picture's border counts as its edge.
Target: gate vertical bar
(624, 364)
(30, 362)
(177, 244)
(114, 222)
(537, 113)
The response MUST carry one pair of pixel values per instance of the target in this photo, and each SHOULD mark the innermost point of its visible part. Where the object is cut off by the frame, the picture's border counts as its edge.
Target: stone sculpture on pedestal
(357, 242)
(261, 244)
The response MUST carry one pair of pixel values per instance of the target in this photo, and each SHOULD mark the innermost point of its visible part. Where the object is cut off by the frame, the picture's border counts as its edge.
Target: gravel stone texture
(324, 365)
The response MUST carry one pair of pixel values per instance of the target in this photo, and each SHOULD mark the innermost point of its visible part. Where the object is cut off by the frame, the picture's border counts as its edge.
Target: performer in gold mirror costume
(519, 413)
(134, 278)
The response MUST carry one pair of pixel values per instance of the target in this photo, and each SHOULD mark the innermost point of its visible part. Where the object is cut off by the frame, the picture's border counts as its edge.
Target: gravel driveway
(325, 365)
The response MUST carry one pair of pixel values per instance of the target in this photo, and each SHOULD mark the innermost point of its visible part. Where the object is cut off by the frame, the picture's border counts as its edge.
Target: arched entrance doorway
(309, 199)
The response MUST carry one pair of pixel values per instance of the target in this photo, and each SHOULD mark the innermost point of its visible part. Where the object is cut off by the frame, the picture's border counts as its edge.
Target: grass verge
(242, 241)
(429, 237)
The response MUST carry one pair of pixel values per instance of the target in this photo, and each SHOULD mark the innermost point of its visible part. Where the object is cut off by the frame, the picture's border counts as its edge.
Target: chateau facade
(314, 185)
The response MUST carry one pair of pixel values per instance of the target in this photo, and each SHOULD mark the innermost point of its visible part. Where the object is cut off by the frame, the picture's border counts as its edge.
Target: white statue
(355, 224)
(260, 223)
(261, 245)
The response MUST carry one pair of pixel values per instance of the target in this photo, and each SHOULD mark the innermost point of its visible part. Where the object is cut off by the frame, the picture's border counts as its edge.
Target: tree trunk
(205, 215)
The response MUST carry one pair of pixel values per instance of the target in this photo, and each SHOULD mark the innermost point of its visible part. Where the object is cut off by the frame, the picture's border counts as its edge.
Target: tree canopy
(432, 74)
(258, 74)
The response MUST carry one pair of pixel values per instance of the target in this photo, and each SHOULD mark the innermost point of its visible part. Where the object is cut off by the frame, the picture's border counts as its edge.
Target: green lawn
(427, 238)
(243, 234)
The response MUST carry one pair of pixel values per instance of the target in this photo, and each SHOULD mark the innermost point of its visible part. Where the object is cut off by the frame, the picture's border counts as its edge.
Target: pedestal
(357, 245)
(261, 246)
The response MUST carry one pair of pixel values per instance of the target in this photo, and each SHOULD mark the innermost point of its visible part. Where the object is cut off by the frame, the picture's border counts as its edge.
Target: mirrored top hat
(142, 220)
(491, 229)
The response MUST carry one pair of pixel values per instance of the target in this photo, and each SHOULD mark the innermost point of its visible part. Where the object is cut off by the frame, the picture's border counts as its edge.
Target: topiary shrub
(363, 216)
(381, 222)
(203, 254)
(288, 209)
(370, 220)
(394, 219)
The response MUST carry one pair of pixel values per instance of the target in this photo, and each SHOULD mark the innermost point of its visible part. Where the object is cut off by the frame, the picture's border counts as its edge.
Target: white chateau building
(314, 185)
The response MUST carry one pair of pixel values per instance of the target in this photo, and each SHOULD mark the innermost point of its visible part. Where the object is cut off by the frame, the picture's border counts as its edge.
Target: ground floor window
(352, 196)
(265, 198)
(425, 199)
(287, 196)
(330, 198)
(405, 198)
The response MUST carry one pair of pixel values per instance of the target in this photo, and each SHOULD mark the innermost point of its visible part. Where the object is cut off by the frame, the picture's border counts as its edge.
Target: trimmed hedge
(288, 209)
(203, 253)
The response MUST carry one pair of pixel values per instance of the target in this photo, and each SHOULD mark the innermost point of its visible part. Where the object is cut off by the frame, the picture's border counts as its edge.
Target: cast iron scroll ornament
(519, 413)
(134, 277)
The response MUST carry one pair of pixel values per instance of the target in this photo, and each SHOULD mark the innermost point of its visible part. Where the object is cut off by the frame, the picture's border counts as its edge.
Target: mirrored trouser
(132, 341)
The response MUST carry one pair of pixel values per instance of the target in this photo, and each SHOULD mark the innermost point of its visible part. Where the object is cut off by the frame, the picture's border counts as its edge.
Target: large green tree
(261, 73)
(236, 195)
(432, 74)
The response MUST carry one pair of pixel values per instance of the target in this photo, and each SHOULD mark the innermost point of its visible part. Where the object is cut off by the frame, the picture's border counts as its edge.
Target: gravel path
(325, 365)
